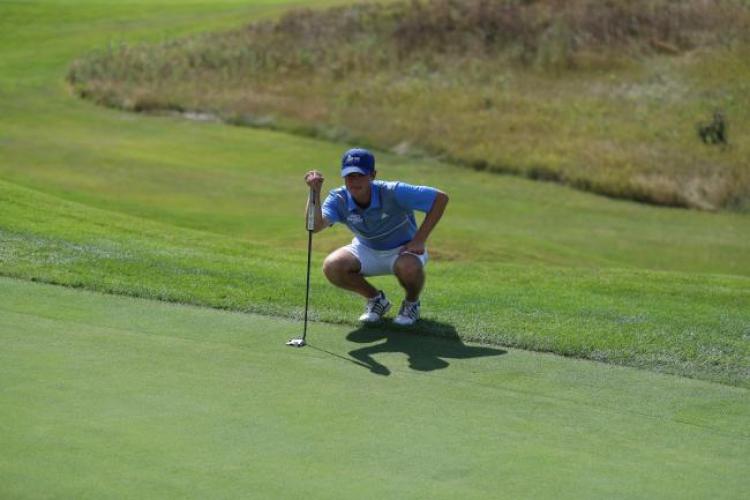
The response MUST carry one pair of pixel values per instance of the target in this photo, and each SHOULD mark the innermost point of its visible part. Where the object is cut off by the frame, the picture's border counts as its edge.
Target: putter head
(296, 343)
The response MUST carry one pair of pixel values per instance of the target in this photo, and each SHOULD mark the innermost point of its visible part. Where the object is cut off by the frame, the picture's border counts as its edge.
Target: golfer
(386, 237)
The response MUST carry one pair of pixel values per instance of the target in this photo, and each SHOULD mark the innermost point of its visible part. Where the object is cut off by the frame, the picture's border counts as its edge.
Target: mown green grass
(615, 117)
(117, 397)
(225, 180)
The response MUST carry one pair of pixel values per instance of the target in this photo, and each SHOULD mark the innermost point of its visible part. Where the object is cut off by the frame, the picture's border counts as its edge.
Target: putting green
(105, 396)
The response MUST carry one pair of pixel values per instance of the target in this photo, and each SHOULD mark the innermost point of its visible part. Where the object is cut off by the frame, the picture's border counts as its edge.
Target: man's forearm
(432, 217)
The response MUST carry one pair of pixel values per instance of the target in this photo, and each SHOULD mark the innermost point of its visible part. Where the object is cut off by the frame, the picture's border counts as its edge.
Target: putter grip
(312, 203)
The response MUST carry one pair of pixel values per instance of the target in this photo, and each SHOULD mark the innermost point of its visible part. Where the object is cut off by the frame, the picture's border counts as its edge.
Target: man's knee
(408, 267)
(339, 263)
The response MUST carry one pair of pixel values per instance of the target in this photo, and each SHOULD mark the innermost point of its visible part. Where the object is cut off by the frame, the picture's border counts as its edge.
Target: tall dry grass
(601, 95)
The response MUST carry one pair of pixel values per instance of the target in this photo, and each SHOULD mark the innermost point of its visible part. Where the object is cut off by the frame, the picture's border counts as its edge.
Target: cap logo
(352, 159)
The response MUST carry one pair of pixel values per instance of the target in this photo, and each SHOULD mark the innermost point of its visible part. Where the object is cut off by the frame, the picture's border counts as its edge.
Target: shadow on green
(427, 346)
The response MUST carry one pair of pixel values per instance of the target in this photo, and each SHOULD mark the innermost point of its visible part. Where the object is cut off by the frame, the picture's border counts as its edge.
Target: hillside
(689, 324)
(605, 97)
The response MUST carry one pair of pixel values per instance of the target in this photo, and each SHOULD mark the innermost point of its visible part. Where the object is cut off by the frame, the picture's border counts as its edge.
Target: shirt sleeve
(415, 197)
(330, 209)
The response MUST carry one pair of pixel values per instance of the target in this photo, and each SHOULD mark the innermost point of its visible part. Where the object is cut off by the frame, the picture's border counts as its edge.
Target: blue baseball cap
(357, 161)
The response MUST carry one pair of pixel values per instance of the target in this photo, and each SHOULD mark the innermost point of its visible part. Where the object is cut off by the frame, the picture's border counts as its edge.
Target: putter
(312, 202)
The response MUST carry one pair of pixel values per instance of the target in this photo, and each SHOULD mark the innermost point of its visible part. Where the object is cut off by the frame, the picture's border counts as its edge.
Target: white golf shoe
(408, 314)
(375, 309)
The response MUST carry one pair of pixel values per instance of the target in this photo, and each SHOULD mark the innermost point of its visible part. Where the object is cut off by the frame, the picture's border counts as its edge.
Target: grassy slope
(622, 126)
(110, 396)
(210, 177)
(692, 324)
(223, 180)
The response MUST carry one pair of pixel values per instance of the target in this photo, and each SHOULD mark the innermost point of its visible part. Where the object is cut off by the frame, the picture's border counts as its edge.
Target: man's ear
(373, 175)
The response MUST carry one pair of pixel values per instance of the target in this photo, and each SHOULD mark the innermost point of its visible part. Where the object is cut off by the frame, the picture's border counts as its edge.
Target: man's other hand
(414, 246)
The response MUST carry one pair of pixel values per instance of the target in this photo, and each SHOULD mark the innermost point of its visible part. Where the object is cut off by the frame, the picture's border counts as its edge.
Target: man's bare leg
(410, 273)
(342, 269)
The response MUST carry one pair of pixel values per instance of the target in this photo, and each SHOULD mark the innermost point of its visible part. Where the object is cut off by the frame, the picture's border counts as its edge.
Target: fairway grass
(689, 324)
(106, 396)
(225, 180)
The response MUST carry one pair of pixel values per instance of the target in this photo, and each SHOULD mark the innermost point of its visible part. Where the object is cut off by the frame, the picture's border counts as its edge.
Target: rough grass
(696, 325)
(603, 96)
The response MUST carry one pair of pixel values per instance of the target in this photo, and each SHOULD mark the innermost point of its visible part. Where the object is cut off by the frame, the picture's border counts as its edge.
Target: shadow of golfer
(427, 345)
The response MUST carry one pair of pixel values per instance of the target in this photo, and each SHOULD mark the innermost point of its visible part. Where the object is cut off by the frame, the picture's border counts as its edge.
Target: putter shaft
(311, 205)
(307, 285)
(312, 202)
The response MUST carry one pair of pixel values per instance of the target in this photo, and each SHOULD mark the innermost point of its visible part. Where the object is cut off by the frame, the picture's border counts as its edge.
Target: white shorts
(378, 262)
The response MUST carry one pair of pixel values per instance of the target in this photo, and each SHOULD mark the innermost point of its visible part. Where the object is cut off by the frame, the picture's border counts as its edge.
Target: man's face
(359, 185)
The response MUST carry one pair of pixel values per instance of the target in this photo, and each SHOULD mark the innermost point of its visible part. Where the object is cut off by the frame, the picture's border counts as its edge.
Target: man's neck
(363, 204)
(366, 198)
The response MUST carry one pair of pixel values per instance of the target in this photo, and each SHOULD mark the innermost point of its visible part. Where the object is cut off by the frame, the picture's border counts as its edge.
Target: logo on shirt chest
(354, 219)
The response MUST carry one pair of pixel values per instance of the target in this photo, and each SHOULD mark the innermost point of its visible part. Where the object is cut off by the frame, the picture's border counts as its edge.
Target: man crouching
(386, 237)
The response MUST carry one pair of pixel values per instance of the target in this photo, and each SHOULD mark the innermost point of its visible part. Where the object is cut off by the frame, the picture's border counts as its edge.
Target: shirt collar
(352, 206)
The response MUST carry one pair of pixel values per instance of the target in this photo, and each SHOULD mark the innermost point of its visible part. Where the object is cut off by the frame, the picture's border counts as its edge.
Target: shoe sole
(385, 311)
(395, 322)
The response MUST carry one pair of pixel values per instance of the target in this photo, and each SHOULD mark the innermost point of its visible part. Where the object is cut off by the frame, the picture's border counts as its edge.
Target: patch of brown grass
(599, 95)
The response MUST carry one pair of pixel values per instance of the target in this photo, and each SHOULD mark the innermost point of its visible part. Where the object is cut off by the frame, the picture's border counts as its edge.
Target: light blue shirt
(389, 221)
